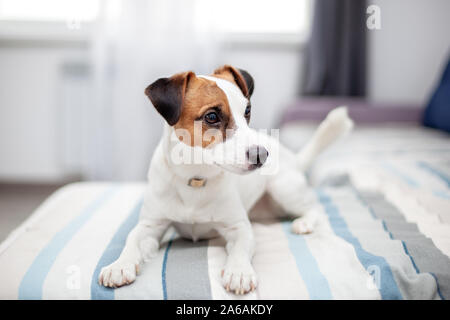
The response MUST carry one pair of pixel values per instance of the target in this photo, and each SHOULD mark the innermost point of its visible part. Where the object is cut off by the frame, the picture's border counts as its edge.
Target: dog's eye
(247, 111)
(211, 117)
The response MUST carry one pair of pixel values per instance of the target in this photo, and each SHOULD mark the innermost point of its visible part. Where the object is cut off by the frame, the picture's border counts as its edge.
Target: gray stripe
(424, 254)
(187, 274)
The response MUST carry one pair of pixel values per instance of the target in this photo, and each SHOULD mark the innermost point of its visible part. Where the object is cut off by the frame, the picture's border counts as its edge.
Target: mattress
(383, 232)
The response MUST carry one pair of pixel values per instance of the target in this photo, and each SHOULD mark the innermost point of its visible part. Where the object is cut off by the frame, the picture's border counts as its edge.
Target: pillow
(437, 112)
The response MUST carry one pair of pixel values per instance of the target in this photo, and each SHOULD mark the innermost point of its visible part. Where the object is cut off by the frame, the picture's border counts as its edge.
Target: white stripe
(337, 260)
(84, 250)
(275, 265)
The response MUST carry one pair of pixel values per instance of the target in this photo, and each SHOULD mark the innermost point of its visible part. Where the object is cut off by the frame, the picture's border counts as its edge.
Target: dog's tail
(336, 125)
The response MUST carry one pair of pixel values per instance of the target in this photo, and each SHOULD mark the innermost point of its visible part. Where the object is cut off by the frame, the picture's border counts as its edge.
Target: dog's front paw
(302, 226)
(239, 278)
(118, 273)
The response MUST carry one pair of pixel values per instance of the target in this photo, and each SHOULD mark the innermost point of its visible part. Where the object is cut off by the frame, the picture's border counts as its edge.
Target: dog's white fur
(222, 205)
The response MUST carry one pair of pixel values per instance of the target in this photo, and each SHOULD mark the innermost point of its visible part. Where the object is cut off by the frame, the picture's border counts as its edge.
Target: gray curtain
(336, 52)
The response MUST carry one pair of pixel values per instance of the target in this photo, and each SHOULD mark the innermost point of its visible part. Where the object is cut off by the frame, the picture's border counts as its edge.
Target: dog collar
(197, 182)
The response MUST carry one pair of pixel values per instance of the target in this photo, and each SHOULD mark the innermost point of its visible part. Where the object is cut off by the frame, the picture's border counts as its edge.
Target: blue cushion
(437, 112)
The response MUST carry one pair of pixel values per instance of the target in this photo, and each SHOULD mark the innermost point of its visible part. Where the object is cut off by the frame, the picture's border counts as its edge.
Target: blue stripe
(441, 194)
(388, 287)
(410, 257)
(410, 181)
(413, 183)
(435, 172)
(315, 281)
(164, 267)
(112, 252)
(32, 282)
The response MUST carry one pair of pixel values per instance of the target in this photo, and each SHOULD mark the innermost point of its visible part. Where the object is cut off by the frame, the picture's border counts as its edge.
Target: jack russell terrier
(213, 194)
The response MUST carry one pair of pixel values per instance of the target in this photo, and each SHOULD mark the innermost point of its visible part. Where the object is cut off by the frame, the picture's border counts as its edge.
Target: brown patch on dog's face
(205, 102)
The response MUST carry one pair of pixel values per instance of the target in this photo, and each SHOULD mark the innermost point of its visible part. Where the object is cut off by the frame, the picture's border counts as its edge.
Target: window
(255, 16)
(49, 10)
(242, 21)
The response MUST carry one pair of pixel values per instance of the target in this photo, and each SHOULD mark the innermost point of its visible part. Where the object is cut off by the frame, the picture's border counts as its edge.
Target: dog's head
(212, 113)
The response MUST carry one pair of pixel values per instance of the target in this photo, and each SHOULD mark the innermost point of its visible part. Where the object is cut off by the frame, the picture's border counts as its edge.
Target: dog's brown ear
(240, 77)
(167, 95)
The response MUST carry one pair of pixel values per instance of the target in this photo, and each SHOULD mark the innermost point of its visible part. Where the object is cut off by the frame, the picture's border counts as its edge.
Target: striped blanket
(383, 233)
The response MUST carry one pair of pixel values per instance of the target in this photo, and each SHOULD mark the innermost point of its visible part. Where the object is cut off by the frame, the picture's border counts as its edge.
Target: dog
(212, 197)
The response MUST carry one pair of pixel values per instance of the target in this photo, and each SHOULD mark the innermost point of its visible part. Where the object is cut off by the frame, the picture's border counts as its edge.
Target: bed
(383, 232)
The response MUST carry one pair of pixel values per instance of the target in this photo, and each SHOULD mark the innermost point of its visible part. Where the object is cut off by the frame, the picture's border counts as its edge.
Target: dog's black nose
(257, 155)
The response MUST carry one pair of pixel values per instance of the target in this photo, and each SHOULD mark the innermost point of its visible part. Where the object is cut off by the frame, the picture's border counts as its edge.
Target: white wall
(31, 144)
(407, 56)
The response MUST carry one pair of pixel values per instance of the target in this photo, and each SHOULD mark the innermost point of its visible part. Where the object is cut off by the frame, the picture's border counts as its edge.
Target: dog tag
(196, 182)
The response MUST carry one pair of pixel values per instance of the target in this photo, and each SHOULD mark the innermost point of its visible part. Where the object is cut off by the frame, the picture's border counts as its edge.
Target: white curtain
(134, 43)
